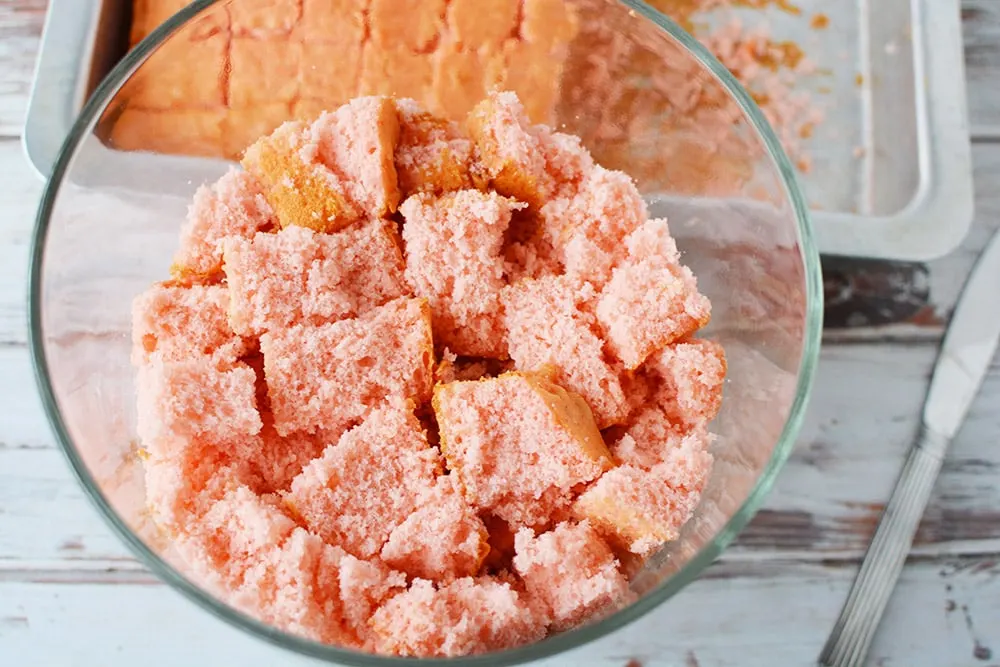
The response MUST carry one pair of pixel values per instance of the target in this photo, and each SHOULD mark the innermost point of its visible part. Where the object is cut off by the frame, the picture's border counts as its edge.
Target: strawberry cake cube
(357, 142)
(365, 585)
(295, 586)
(236, 533)
(587, 226)
(194, 399)
(298, 276)
(453, 258)
(652, 434)
(176, 322)
(509, 150)
(549, 325)
(692, 375)
(522, 470)
(300, 189)
(333, 375)
(233, 206)
(465, 617)
(432, 154)
(571, 571)
(185, 480)
(639, 509)
(646, 307)
(368, 483)
(276, 460)
(444, 539)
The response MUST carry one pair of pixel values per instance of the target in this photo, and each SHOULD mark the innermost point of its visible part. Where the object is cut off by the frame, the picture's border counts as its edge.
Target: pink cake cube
(253, 554)
(193, 399)
(294, 587)
(301, 190)
(298, 276)
(549, 325)
(646, 307)
(530, 257)
(651, 241)
(357, 142)
(365, 585)
(521, 469)
(332, 375)
(176, 322)
(184, 481)
(510, 150)
(572, 571)
(651, 299)
(567, 161)
(692, 374)
(235, 534)
(465, 617)
(432, 154)
(442, 540)
(234, 206)
(453, 258)
(367, 484)
(588, 225)
(530, 163)
(641, 509)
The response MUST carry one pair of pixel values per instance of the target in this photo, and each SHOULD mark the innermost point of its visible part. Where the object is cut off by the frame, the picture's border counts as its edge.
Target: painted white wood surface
(71, 594)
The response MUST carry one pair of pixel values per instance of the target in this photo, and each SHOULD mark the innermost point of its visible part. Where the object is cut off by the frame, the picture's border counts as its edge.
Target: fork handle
(854, 630)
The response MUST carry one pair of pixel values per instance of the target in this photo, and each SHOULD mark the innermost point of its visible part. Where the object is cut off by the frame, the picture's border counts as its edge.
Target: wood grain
(19, 192)
(981, 30)
(20, 27)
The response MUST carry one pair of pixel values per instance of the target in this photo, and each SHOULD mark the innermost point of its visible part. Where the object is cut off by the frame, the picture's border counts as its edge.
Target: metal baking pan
(892, 166)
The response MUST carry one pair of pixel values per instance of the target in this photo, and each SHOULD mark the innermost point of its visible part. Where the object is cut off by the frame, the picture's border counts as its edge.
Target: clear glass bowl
(644, 95)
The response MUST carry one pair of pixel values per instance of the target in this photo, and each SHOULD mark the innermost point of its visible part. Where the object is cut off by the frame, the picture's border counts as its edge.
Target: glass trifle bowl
(643, 96)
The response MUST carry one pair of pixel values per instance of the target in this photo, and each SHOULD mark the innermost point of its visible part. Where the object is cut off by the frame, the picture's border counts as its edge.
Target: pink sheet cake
(371, 401)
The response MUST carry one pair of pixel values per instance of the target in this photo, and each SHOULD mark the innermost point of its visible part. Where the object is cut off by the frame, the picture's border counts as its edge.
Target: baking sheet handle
(60, 72)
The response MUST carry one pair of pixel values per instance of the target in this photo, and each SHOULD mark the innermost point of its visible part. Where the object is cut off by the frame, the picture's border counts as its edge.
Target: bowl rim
(550, 646)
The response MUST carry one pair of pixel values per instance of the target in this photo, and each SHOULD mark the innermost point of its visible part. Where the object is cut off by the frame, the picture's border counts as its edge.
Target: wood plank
(944, 614)
(981, 30)
(19, 193)
(824, 506)
(20, 28)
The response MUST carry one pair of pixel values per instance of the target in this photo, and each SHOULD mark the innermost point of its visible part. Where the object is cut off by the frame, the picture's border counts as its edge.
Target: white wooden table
(70, 594)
